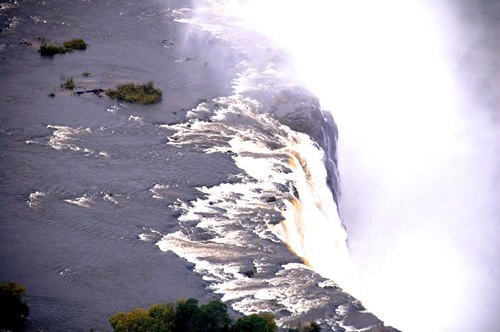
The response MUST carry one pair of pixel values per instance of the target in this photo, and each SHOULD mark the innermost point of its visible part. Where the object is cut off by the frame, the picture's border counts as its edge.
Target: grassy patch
(48, 49)
(68, 84)
(75, 44)
(136, 93)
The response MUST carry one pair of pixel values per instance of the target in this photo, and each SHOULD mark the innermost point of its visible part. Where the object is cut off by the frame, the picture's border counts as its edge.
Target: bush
(76, 44)
(213, 316)
(163, 316)
(68, 84)
(47, 49)
(256, 323)
(135, 320)
(136, 93)
(186, 315)
(12, 309)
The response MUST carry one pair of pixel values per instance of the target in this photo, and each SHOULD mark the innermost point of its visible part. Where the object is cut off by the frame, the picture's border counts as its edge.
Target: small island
(48, 48)
(136, 93)
(75, 44)
(68, 84)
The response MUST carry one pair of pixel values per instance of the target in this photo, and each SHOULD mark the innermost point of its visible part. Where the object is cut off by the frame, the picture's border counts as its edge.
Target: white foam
(83, 201)
(69, 138)
(145, 237)
(63, 136)
(158, 189)
(35, 199)
(135, 118)
(110, 198)
(101, 153)
(113, 109)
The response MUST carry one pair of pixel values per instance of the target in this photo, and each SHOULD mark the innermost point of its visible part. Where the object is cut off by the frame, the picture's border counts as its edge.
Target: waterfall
(417, 160)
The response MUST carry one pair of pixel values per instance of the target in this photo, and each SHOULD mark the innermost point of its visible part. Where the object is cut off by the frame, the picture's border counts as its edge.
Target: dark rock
(271, 199)
(361, 320)
(97, 92)
(249, 273)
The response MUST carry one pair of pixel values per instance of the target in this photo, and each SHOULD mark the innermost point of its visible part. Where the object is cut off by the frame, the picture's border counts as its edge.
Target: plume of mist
(418, 149)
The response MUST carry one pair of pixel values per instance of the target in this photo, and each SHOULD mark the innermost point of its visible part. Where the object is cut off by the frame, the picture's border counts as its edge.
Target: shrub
(256, 323)
(47, 49)
(213, 316)
(136, 93)
(163, 316)
(135, 320)
(75, 44)
(186, 315)
(12, 309)
(68, 84)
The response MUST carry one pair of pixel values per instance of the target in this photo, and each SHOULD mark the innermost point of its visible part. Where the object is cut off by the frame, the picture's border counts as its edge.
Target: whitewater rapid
(237, 232)
(269, 239)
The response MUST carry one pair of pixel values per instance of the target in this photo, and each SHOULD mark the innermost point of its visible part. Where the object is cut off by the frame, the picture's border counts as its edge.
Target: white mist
(418, 163)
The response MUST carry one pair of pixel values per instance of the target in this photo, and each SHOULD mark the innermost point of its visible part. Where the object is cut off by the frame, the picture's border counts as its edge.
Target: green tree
(163, 316)
(187, 315)
(12, 308)
(136, 320)
(262, 322)
(213, 317)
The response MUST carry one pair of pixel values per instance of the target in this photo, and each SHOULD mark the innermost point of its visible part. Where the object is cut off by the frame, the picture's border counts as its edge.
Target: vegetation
(136, 93)
(257, 322)
(187, 316)
(48, 49)
(12, 309)
(68, 84)
(75, 44)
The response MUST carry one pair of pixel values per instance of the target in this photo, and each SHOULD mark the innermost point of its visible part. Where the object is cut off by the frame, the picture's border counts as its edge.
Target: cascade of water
(416, 163)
